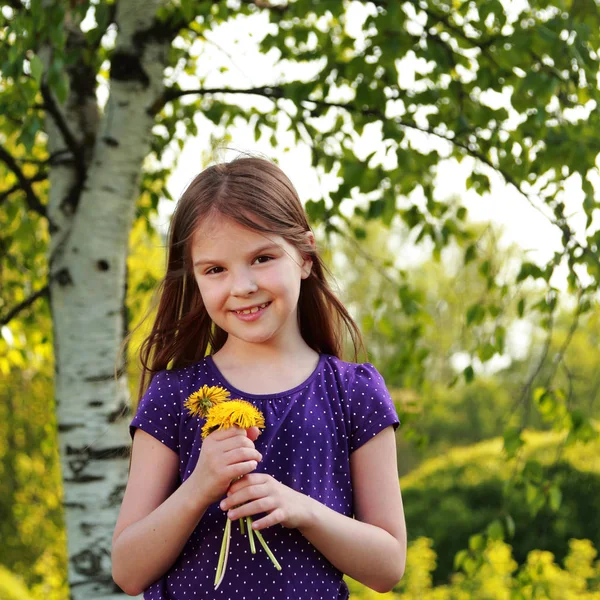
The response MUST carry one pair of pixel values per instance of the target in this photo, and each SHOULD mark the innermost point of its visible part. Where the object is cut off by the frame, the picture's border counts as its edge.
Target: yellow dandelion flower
(233, 413)
(199, 403)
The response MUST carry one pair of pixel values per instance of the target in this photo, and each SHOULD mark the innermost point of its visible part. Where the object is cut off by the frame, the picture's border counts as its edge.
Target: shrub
(450, 498)
(499, 577)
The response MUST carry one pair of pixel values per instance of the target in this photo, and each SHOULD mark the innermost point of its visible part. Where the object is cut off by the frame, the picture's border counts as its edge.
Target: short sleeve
(371, 405)
(159, 410)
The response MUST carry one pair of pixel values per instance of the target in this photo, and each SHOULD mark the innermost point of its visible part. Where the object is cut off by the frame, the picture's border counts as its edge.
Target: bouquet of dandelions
(220, 412)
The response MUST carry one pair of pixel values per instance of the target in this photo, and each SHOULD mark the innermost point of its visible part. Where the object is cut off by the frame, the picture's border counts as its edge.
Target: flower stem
(242, 525)
(222, 555)
(267, 550)
(251, 535)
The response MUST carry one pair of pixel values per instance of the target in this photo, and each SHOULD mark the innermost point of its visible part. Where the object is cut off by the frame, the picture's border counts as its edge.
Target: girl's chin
(243, 334)
(253, 339)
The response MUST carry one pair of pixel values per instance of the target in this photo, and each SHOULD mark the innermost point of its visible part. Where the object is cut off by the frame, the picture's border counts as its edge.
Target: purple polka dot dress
(310, 432)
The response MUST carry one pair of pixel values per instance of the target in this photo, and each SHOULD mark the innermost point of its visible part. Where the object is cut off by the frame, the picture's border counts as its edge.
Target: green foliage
(31, 524)
(543, 61)
(498, 575)
(12, 587)
(462, 493)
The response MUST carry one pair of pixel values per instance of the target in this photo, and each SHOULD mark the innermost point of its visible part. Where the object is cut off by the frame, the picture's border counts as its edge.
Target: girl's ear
(308, 262)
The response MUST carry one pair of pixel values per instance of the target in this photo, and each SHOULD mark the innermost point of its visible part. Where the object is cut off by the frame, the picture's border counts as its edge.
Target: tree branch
(74, 146)
(278, 91)
(171, 94)
(33, 202)
(23, 305)
(264, 4)
(39, 176)
(559, 356)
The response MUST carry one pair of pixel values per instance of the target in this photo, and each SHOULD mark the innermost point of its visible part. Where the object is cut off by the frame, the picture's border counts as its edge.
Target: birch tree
(94, 162)
(511, 90)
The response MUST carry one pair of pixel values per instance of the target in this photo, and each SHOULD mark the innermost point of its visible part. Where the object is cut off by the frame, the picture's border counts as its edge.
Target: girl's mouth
(251, 314)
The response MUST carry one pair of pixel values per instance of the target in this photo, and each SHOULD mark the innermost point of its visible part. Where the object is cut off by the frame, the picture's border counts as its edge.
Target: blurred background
(447, 155)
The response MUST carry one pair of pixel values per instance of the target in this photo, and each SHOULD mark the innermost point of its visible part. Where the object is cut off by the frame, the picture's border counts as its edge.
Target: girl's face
(249, 281)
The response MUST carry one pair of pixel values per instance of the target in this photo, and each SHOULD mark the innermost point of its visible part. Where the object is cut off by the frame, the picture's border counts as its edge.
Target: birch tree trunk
(91, 209)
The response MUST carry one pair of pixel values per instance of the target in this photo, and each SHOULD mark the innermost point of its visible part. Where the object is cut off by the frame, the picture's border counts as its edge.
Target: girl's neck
(237, 352)
(263, 369)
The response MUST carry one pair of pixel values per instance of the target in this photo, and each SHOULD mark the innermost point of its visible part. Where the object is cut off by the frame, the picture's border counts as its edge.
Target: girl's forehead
(220, 231)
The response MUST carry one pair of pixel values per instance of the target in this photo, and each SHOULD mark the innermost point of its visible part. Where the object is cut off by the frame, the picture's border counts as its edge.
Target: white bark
(88, 270)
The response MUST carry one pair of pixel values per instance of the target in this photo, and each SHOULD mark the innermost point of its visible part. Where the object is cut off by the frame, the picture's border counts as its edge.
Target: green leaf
(533, 471)
(62, 87)
(475, 314)
(459, 558)
(316, 210)
(510, 526)
(555, 497)
(531, 493)
(495, 530)
(37, 68)
(469, 374)
(512, 441)
(478, 182)
(187, 9)
(500, 335)
(580, 427)
(531, 270)
(360, 233)
(477, 543)
(470, 253)
(487, 352)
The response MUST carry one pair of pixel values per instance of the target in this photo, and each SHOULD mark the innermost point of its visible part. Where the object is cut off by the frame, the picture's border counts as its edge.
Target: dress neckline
(237, 392)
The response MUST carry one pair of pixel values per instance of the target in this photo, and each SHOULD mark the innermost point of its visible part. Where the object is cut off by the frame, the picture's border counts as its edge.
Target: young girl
(245, 306)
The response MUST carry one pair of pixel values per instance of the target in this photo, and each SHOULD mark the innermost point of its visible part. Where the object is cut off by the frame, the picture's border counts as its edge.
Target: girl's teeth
(249, 311)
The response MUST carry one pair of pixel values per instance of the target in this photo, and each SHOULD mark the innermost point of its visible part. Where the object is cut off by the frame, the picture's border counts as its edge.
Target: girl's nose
(243, 284)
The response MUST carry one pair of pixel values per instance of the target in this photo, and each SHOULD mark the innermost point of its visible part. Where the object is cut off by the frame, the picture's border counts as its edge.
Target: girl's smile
(251, 313)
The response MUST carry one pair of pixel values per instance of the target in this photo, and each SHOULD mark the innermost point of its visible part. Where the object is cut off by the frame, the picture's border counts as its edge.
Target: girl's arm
(155, 521)
(370, 548)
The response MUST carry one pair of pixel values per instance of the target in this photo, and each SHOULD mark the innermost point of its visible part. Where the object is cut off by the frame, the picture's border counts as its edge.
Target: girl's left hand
(261, 493)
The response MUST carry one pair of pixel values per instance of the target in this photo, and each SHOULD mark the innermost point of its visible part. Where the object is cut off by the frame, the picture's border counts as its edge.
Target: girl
(245, 306)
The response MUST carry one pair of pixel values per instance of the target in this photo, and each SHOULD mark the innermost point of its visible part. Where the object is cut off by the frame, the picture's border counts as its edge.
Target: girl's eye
(214, 270)
(263, 259)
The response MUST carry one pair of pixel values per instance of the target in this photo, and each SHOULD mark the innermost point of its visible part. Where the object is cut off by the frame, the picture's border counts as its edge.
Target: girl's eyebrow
(259, 250)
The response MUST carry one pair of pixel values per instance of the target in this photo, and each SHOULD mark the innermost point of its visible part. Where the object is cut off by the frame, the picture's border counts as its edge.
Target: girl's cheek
(210, 291)
(270, 279)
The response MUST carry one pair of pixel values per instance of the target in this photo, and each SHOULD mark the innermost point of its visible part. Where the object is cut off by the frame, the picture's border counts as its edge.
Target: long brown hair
(256, 194)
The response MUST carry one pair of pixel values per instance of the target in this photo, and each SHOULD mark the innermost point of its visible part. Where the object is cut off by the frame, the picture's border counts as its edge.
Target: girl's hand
(260, 493)
(226, 454)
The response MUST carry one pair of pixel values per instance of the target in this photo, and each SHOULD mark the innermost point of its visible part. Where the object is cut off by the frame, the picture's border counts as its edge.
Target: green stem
(264, 545)
(242, 525)
(251, 535)
(222, 553)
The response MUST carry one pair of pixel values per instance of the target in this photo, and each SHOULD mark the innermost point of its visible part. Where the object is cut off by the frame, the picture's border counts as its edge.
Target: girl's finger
(271, 519)
(245, 494)
(239, 469)
(242, 454)
(223, 434)
(235, 441)
(246, 480)
(253, 433)
(251, 508)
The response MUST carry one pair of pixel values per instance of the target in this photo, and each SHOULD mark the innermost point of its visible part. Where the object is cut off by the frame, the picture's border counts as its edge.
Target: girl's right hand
(226, 454)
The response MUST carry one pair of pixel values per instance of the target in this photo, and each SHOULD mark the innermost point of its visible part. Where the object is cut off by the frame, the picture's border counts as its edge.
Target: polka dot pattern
(311, 430)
